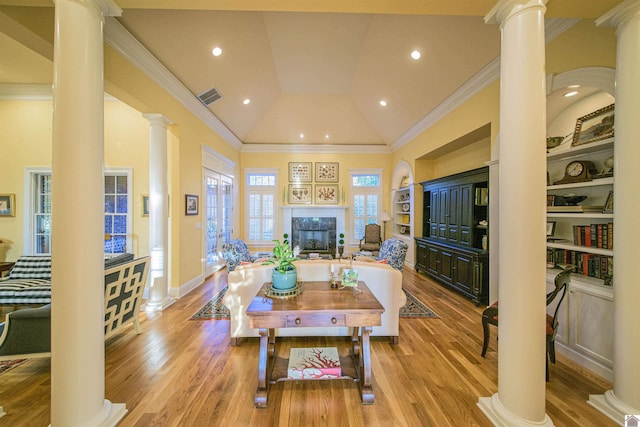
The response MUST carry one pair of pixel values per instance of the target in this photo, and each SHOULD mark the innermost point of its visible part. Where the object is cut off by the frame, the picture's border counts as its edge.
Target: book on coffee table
(314, 363)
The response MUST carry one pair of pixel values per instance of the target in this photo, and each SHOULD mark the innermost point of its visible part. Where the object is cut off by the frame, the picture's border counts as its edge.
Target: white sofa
(384, 281)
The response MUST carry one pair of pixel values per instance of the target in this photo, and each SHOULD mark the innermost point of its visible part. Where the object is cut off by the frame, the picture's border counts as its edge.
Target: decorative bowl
(554, 141)
(574, 200)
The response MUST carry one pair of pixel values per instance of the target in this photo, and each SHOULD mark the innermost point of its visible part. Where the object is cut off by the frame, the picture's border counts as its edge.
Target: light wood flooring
(182, 372)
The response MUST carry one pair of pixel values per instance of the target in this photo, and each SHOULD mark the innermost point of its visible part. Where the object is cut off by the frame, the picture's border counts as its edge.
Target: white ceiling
(312, 73)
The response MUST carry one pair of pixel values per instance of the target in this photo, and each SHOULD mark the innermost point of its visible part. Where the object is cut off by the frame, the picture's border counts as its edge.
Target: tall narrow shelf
(402, 211)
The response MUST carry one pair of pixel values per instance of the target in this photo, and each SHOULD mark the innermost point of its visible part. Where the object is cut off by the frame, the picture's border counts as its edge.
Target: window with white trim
(117, 217)
(366, 193)
(261, 200)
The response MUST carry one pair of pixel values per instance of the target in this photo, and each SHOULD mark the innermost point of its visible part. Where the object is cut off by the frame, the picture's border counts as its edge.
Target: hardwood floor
(180, 372)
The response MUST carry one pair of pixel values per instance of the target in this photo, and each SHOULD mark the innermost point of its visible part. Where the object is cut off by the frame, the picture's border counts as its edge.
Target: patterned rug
(7, 365)
(215, 310)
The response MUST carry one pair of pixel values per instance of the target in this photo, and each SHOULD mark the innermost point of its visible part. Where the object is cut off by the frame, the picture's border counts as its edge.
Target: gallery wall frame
(300, 171)
(327, 171)
(326, 194)
(191, 204)
(300, 194)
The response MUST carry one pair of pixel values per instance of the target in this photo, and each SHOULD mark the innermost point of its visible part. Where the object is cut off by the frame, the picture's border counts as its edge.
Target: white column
(159, 297)
(625, 396)
(77, 323)
(522, 344)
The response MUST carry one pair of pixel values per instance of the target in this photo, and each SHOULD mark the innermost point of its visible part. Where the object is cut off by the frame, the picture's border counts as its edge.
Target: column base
(611, 406)
(109, 416)
(159, 305)
(502, 417)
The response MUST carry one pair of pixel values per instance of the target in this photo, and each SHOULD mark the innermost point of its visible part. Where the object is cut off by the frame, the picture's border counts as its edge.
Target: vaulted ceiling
(314, 73)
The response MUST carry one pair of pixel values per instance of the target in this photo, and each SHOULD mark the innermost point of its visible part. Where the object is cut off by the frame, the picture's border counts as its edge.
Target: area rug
(7, 365)
(215, 309)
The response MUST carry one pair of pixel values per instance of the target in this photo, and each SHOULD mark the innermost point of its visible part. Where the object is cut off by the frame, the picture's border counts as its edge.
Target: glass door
(218, 211)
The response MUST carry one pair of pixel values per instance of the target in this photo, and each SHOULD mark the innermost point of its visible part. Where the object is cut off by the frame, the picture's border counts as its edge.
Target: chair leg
(552, 351)
(485, 328)
(546, 366)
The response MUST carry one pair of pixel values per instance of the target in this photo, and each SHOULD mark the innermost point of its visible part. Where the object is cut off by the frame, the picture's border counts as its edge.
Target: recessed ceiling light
(570, 94)
(246, 101)
(216, 51)
(301, 135)
(383, 102)
(416, 54)
(326, 136)
(573, 86)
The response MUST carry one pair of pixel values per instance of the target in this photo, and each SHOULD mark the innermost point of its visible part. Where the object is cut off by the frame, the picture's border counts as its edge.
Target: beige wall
(26, 142)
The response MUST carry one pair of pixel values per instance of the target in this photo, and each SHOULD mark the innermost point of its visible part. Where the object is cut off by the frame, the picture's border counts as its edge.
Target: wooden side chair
(561, 281)
(372, 239)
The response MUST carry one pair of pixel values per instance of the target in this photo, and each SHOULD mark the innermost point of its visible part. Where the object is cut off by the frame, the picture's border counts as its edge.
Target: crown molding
(483, 78)
(129, 47)
(30, 92)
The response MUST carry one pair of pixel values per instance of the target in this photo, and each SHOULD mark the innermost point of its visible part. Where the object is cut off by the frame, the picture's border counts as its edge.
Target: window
(261, 202)
(367, 194)
(117, 221)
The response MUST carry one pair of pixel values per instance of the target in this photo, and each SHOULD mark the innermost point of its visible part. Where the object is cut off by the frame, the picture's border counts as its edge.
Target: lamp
(384, 218)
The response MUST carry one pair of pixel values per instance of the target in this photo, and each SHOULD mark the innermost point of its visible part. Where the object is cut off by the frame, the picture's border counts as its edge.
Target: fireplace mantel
(320, 211)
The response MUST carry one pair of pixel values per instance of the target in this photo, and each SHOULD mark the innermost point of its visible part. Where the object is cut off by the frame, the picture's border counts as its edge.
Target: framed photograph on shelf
(594, 126)
(326, 194)
(145, 205)
(191, 204)
(299, 193)
(327, 171)
(300, 171)
(551, 228)
(7, 205)
(608, 205)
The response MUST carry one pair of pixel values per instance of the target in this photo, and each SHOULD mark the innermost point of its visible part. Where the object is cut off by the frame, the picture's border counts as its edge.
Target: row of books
(594, 235)
(591, 265)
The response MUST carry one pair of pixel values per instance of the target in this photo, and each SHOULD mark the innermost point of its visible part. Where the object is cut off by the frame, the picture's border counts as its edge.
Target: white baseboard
(590, 364)
(187, 287)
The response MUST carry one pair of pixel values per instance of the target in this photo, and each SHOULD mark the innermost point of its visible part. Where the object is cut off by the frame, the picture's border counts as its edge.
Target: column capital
(626, 11)
(157, 119)
(505, 9)
(105, 7)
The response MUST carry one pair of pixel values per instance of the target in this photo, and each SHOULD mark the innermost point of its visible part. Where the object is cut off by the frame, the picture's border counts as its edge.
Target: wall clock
(578, 171)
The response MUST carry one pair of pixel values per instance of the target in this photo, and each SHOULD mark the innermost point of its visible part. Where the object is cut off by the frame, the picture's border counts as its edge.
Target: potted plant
(341, 245)
(284, 275)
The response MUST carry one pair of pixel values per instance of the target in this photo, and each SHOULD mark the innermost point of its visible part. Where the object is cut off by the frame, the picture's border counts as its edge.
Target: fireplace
(315, 237)
(314, 234)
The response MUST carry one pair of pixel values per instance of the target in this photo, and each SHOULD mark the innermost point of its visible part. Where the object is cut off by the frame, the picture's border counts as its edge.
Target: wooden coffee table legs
(360, 356)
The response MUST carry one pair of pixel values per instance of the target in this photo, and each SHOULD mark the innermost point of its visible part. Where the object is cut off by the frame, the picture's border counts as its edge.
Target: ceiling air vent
(210, 96)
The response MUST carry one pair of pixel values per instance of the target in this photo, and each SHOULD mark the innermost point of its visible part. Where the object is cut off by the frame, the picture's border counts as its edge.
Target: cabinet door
(453, 220)
(434, 219)
(433, 260)
(443, 213)
(446, 265)
(421, 256)
(464, 273)
(465, 215)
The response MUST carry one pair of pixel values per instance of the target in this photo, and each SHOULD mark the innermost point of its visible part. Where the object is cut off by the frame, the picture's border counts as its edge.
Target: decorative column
(624, 399)
(159, 297)
(77, 321)
(522, 169)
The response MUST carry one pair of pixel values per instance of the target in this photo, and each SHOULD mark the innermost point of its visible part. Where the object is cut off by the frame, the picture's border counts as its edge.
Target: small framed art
(299, 193)
(7, 205)
(145, 205)
(326, 194)
(594, 126)
(300, 171)
(327, 171)
(608, 205)
(191, 204)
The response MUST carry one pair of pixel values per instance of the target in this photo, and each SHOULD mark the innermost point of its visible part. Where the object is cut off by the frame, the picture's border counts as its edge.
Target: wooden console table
(316, 306)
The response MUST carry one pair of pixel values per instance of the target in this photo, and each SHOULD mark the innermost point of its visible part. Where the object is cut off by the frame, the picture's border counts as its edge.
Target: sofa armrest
(26, 332)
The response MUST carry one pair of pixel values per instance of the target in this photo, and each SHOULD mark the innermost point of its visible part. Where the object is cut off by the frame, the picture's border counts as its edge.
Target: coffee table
(317, 305)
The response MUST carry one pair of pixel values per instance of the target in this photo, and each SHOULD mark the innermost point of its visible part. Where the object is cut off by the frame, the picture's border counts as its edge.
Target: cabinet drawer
(308, 320)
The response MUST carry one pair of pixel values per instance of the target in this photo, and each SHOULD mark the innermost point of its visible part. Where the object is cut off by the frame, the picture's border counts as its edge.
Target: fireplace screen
(314, 234)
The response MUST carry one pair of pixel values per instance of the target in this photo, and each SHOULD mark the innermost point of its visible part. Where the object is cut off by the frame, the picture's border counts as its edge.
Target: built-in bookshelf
(402, 211)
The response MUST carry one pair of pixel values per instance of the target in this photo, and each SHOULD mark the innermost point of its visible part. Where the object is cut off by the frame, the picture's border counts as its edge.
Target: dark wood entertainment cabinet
(453, 245)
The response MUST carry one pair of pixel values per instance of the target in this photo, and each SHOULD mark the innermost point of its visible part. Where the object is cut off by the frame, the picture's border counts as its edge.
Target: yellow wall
(26, 142)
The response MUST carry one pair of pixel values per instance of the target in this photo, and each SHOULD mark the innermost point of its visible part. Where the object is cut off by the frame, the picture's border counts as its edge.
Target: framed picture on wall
(299, 171)
(191, 204)
(327, 172)
(594, 126)
(326, 194)
(145, 205)
(299, 193)
(7, 205)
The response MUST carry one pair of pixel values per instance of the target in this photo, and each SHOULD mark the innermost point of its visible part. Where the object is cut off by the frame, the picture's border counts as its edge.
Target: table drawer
(308, 320)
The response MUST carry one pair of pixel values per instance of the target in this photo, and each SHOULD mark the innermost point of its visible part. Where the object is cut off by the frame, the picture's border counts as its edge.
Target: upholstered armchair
(393, 251)
(371, 241)
(237, 252)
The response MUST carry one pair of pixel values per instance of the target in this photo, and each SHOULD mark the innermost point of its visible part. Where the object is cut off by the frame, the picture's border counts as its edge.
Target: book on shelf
(314, 363)
(574, 209)
(586, 264)
(594, 235)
